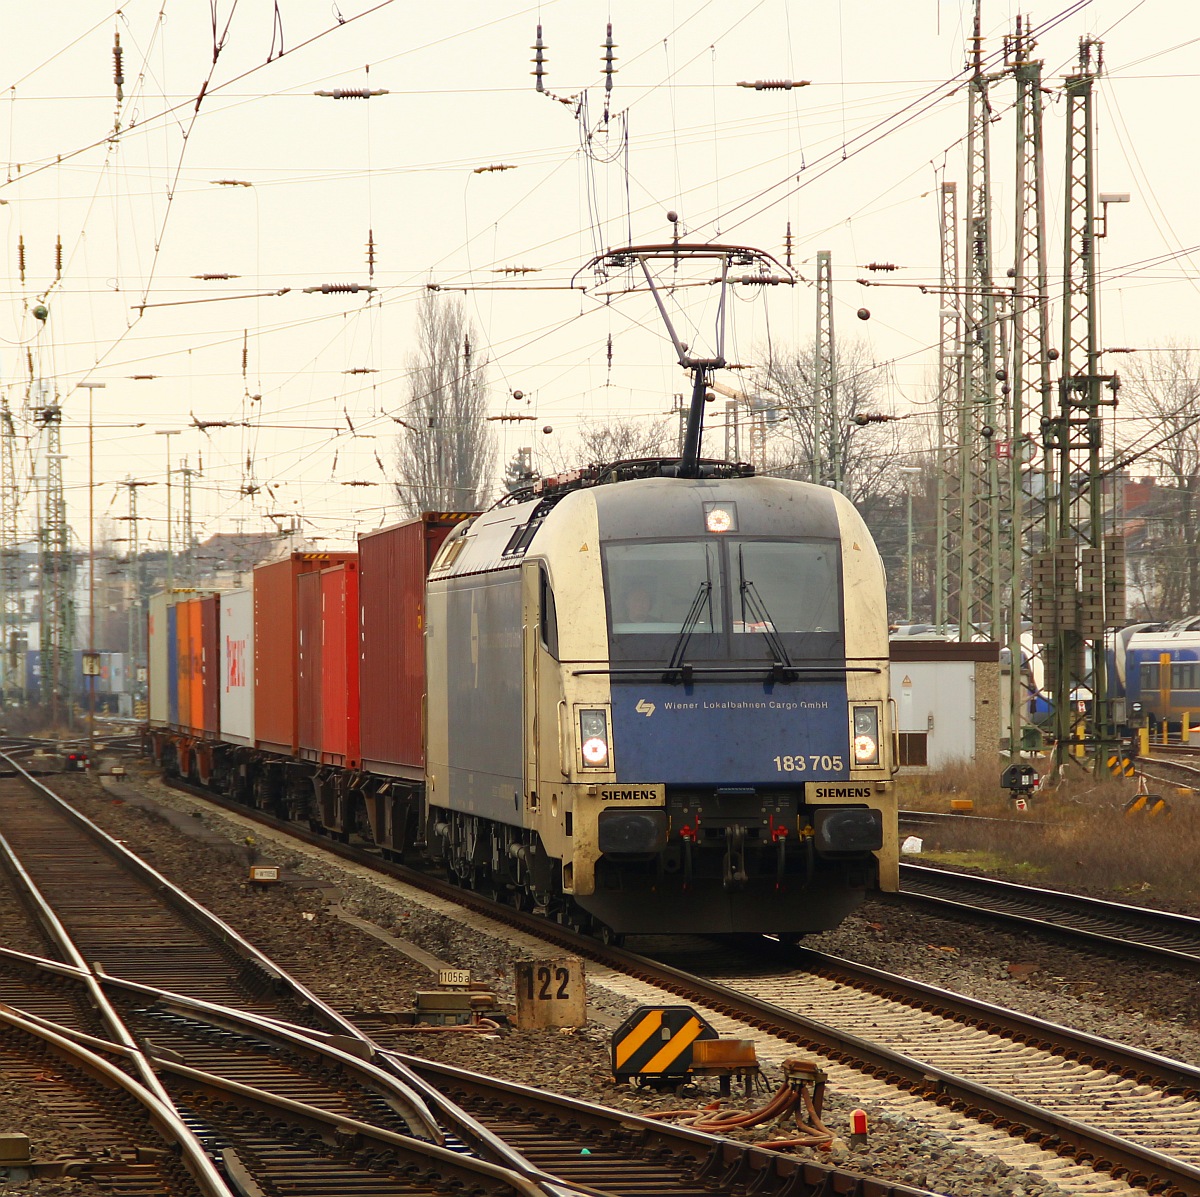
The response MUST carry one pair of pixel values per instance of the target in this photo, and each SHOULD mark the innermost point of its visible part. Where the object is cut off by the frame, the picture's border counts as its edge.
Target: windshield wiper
(690, 623)
(781, 667)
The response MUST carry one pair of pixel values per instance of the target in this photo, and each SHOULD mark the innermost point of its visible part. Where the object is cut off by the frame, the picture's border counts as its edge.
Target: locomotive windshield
(729, 598)
(791, 586)
(654, 587)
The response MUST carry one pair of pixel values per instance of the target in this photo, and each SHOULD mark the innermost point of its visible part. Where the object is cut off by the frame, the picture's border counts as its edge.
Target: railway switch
(455, 1007)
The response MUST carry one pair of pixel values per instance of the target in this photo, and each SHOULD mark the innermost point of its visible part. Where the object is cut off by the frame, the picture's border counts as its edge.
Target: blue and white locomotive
(660, 704)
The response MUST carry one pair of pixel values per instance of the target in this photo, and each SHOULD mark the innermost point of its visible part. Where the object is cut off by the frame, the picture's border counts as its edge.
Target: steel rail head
(61, 938)
(468, 1128)
(159, 1110)
(42, 964)
(1082, 901)
(184, 901)
(352, 1054)
(337, 1128)
(383, 1066)
(193, 1151)
(1175, 1073)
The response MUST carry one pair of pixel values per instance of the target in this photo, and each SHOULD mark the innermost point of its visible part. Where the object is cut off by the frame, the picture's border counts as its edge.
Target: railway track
(122, 1136)
(94, 901)
(1074, 1094)
(266, 1083)
(1113, 926)
(1173, 765)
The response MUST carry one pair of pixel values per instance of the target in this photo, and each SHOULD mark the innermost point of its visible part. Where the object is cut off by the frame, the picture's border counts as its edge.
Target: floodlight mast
(768, 272)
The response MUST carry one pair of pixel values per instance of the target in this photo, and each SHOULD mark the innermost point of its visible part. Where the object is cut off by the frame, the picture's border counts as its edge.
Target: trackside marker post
(858, 1128)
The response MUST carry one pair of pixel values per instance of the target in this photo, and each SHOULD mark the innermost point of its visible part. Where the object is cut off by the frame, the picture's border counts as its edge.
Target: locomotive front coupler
(734, 872)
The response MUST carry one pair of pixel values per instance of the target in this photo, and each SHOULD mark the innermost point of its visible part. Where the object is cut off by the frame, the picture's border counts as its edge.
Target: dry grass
(1075, 836)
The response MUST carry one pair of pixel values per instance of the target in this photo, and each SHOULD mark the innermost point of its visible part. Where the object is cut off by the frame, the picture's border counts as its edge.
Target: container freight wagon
(110, 683)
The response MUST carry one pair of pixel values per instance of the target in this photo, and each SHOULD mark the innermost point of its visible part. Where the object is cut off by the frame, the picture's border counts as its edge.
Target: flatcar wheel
(611, 938)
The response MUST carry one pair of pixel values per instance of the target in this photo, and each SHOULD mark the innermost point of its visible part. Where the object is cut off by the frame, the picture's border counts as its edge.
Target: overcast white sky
(852, 161)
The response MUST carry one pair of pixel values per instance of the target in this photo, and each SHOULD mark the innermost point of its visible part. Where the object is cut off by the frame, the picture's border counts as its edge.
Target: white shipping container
(157, 625)
(237, 667)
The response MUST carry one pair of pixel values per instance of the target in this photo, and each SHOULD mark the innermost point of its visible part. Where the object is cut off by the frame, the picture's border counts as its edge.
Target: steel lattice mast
(1031, 352)
(188, 532)
(1079, 579)
(827, 431)
(950, 408)
(979, 547)
(12, 683)
(57, 569)
(136, 614)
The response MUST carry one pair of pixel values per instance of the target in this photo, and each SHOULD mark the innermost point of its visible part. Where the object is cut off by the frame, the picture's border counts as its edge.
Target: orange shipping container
(183, 679)
(309, 665)
(196, 679)
(339, 669)
(327, 678)
(276, 647)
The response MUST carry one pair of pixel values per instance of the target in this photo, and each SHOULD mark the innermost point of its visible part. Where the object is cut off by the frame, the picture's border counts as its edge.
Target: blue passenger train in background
(1156, 669)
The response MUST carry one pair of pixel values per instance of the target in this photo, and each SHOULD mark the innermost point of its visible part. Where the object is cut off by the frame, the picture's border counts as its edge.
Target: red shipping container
(393, 565)
(309, 666)
(210, 665)
(339, 666)
(276, 726)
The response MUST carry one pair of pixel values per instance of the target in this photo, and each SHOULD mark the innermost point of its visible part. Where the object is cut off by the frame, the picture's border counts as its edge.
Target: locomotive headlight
(720, 517)
(593, 737)
(866, 735)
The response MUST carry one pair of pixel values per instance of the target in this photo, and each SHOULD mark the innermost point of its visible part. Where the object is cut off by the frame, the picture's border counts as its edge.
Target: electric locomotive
(661, 704)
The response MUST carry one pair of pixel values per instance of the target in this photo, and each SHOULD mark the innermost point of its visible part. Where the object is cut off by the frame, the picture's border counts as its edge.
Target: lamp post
(91, 657)
(909, 555)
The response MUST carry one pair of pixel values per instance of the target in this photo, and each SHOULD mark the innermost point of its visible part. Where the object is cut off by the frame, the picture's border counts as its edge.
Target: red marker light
(858, 1126)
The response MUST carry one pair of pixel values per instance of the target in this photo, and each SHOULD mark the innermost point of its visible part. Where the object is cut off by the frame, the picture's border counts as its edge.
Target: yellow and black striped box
(656, 1042)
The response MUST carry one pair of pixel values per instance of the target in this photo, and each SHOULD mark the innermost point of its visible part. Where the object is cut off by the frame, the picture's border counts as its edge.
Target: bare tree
(445, 451)
(601, 442)
(868, 450)
(1161, 392)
